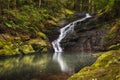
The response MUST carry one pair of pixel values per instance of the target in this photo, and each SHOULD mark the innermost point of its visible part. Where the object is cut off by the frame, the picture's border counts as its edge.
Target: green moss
(43, 43)
(52, 22)
(6, 48)
(39, 45)
(107, 67)
(8, 25)
(112, 37)
(114, 47)
(16, 46)
(1, 44)
(42, 35)
(26, 49)
(103, 60)
(9, 50)
(67, 11)
(38, 41)
(44, 50)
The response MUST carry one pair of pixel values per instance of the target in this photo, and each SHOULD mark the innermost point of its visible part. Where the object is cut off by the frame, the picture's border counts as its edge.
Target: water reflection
(43, 66)
(62, 63)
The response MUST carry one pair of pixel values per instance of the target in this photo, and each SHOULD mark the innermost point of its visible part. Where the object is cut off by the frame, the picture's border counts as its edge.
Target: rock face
(86, 38)
(91, 35)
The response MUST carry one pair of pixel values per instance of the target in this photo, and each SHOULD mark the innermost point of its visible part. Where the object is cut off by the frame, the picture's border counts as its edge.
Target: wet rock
(86, 38)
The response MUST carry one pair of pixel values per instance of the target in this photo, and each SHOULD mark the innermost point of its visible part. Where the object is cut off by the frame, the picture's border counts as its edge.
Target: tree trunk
(0, 8)
(77, 5)
(8, 4)
(39, 4)
(14, 4)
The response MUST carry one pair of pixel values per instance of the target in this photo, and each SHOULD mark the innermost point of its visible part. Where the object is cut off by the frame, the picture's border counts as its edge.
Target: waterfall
(65, 31)
(57, 56)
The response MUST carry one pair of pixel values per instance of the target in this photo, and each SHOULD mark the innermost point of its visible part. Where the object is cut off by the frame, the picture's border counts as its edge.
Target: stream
(46, 66)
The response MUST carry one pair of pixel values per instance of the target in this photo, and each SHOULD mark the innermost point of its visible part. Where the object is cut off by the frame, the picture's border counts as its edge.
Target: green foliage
(103, 5)
(42, 35)
(19, 18)
(8, 25)
(28, 19)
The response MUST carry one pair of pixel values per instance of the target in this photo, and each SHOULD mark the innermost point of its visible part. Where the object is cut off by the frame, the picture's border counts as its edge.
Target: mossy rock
(39, 48)
(39, 45)
(8, 50)
(26, 49)
(1, 44)
(16, 47)
(107, 67)
(52, 22)
(44, 50)
(42, 35)
(105, 58)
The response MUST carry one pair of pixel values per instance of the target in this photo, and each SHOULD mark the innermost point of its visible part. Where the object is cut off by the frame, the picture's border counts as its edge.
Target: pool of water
(46, 66)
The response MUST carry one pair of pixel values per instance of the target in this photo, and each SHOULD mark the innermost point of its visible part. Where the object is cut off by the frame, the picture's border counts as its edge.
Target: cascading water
(65, 31)
(68, 29)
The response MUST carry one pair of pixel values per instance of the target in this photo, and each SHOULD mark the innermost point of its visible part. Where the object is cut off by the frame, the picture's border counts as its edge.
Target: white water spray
(64, 31)
(68, 29)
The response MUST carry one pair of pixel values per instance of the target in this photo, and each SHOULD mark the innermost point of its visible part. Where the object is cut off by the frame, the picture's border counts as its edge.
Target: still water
(47, 66)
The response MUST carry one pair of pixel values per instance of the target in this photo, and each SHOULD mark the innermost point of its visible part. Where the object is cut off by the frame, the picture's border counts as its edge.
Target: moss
(15, 47)
(39, 48)
(26, 49)
(42, 35)
(43, 43)
(38, 41)
(52, 22)
(98, 54)
(107, 67)
(114, 47)
(1, 44)
(67, 11)
(8, 25)
(44, 50)
(39, 45)
(103, 60)
(112, 37)
(9, 50)
(6, 48)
